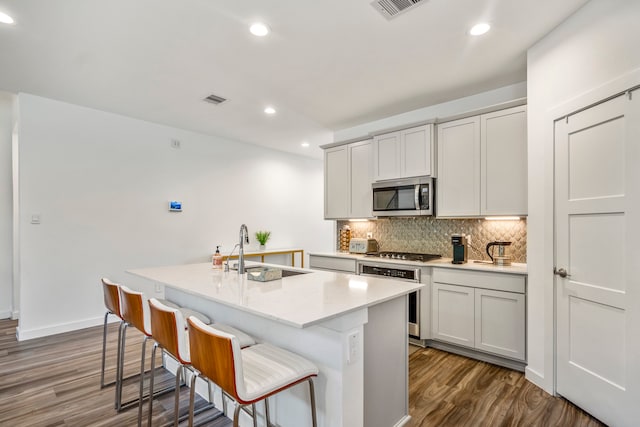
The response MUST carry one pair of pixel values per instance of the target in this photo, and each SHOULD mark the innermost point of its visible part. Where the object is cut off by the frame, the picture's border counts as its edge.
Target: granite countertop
(302, 300)
(515, 268)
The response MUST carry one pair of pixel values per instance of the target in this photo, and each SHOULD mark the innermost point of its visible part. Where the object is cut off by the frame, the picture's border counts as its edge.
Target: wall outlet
(353, 341)
(175, 143)
(158, 288)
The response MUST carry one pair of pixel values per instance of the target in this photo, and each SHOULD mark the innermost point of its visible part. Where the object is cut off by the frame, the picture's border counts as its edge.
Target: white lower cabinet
(466, 313)
(452, 313)
(500, 323)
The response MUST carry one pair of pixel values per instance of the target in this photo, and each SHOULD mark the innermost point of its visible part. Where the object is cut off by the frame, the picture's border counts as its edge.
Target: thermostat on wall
(175, 206)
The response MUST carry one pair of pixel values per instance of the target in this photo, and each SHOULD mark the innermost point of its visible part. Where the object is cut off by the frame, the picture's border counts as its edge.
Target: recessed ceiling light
(305, 144)
(270, 110)
(5, 19)
(479, 29)
(259, 29)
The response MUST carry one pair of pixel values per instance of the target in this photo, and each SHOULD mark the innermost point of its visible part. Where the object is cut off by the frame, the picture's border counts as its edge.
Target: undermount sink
(287, 273)
(258, 273)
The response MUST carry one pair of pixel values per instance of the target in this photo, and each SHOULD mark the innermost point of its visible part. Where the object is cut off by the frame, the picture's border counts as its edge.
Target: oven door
(407, 274)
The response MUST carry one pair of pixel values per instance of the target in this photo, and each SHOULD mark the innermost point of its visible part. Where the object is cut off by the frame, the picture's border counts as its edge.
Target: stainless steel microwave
(404, 197)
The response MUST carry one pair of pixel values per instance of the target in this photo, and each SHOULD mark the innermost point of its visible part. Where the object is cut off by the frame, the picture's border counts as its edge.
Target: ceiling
(327, 64)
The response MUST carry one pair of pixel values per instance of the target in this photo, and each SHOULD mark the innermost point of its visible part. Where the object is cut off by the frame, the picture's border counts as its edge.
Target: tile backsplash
(431, 235)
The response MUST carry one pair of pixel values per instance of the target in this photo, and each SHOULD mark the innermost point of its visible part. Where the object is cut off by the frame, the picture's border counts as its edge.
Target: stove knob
(404, 257)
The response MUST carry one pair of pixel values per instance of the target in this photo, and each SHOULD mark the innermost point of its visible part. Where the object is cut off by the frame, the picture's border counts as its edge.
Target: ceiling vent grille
(215, 99)
(392, 8)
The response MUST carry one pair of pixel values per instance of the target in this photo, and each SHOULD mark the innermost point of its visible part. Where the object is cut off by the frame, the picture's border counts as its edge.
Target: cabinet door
(452, 314)
(458, 190)
(336, 182)
(361, 165)
(386, 156)
(500, 323)
(416, 151)
(503, 141)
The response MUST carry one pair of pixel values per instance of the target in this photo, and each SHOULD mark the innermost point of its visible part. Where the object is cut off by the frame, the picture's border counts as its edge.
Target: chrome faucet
(244, 238)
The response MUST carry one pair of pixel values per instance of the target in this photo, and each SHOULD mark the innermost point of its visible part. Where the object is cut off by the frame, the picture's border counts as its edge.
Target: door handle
(561, 272)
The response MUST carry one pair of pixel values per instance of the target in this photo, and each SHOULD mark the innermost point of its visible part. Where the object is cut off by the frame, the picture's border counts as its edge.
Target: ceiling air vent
(392, 8)
(215, 99)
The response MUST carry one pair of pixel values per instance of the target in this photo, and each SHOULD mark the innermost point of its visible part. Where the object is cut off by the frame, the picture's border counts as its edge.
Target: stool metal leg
(104, 348)
(176, 404)
(313, 403)
(192, 398)
(266, 411)
(153, 367)
(141, 395)
(120, 370)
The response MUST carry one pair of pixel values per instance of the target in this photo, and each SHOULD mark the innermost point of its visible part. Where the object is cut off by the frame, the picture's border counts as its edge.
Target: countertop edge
(515, 268)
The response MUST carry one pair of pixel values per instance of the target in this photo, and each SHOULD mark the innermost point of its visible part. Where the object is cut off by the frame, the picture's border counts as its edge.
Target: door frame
(619, 86)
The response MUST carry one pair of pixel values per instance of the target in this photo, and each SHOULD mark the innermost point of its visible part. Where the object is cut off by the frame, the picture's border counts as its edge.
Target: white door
(597, 181)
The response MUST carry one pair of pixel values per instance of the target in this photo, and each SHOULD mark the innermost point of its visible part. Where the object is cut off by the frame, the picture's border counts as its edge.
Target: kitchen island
(353, 328)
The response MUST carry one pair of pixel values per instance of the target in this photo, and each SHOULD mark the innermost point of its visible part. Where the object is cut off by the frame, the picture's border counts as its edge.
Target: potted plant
(262, 237)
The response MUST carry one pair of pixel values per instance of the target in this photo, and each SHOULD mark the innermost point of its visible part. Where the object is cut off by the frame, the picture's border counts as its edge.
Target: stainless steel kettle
(502, 258)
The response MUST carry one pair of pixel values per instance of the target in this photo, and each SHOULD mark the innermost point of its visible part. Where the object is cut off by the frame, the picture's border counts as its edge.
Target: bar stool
(248, 375)
(171, 335)
(111, 296)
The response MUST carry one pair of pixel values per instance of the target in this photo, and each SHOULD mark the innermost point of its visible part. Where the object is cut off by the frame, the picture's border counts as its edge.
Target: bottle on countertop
(217, 259)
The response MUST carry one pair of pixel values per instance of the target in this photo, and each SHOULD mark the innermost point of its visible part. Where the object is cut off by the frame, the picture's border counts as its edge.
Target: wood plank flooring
(450, 390)
(55, 381)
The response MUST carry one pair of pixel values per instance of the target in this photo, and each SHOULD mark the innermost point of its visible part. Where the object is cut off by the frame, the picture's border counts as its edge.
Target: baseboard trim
(28, 334)
(15, 315)
(5, 314)
(537, 379)
(403, 421)
(478, 355)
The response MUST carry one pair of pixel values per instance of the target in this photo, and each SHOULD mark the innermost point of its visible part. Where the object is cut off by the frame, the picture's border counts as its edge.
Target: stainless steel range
(399, 271)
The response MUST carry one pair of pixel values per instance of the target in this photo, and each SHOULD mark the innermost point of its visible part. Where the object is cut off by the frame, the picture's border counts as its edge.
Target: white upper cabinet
(458, 186)
(403, 154)
(503, 154)
(336, 179)
(348, 178)
(482, 165)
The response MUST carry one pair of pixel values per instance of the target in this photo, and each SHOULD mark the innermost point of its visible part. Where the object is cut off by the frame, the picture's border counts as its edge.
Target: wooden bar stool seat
(247, 375)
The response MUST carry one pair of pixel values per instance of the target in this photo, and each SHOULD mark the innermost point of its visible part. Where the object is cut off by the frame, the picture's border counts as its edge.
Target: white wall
(451, 108)
(599, 43)
(101, 184)
(6, 251)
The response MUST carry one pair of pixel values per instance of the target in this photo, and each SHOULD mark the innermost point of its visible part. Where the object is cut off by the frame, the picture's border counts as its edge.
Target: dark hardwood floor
(54, 381)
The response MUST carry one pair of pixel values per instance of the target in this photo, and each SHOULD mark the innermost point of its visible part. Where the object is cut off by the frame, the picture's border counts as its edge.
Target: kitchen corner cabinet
(483, 311)
(482, 165)
(347, 179)
(405, 153)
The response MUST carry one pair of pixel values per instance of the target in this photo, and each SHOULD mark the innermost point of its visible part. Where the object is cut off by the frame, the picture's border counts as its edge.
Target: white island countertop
(301, 301)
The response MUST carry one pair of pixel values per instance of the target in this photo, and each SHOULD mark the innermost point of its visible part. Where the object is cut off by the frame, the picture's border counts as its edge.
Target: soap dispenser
(217, 259)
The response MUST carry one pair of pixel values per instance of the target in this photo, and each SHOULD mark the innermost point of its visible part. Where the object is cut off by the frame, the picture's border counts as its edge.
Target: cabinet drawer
(332, 263)
(480, 279)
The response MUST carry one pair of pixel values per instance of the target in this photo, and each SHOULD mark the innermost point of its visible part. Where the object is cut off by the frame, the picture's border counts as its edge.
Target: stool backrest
(111, 296)
(135, 310)
(217, 356)
(168, 328)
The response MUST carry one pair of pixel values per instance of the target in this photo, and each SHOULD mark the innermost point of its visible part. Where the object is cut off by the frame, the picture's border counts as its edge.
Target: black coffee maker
(459, 242)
